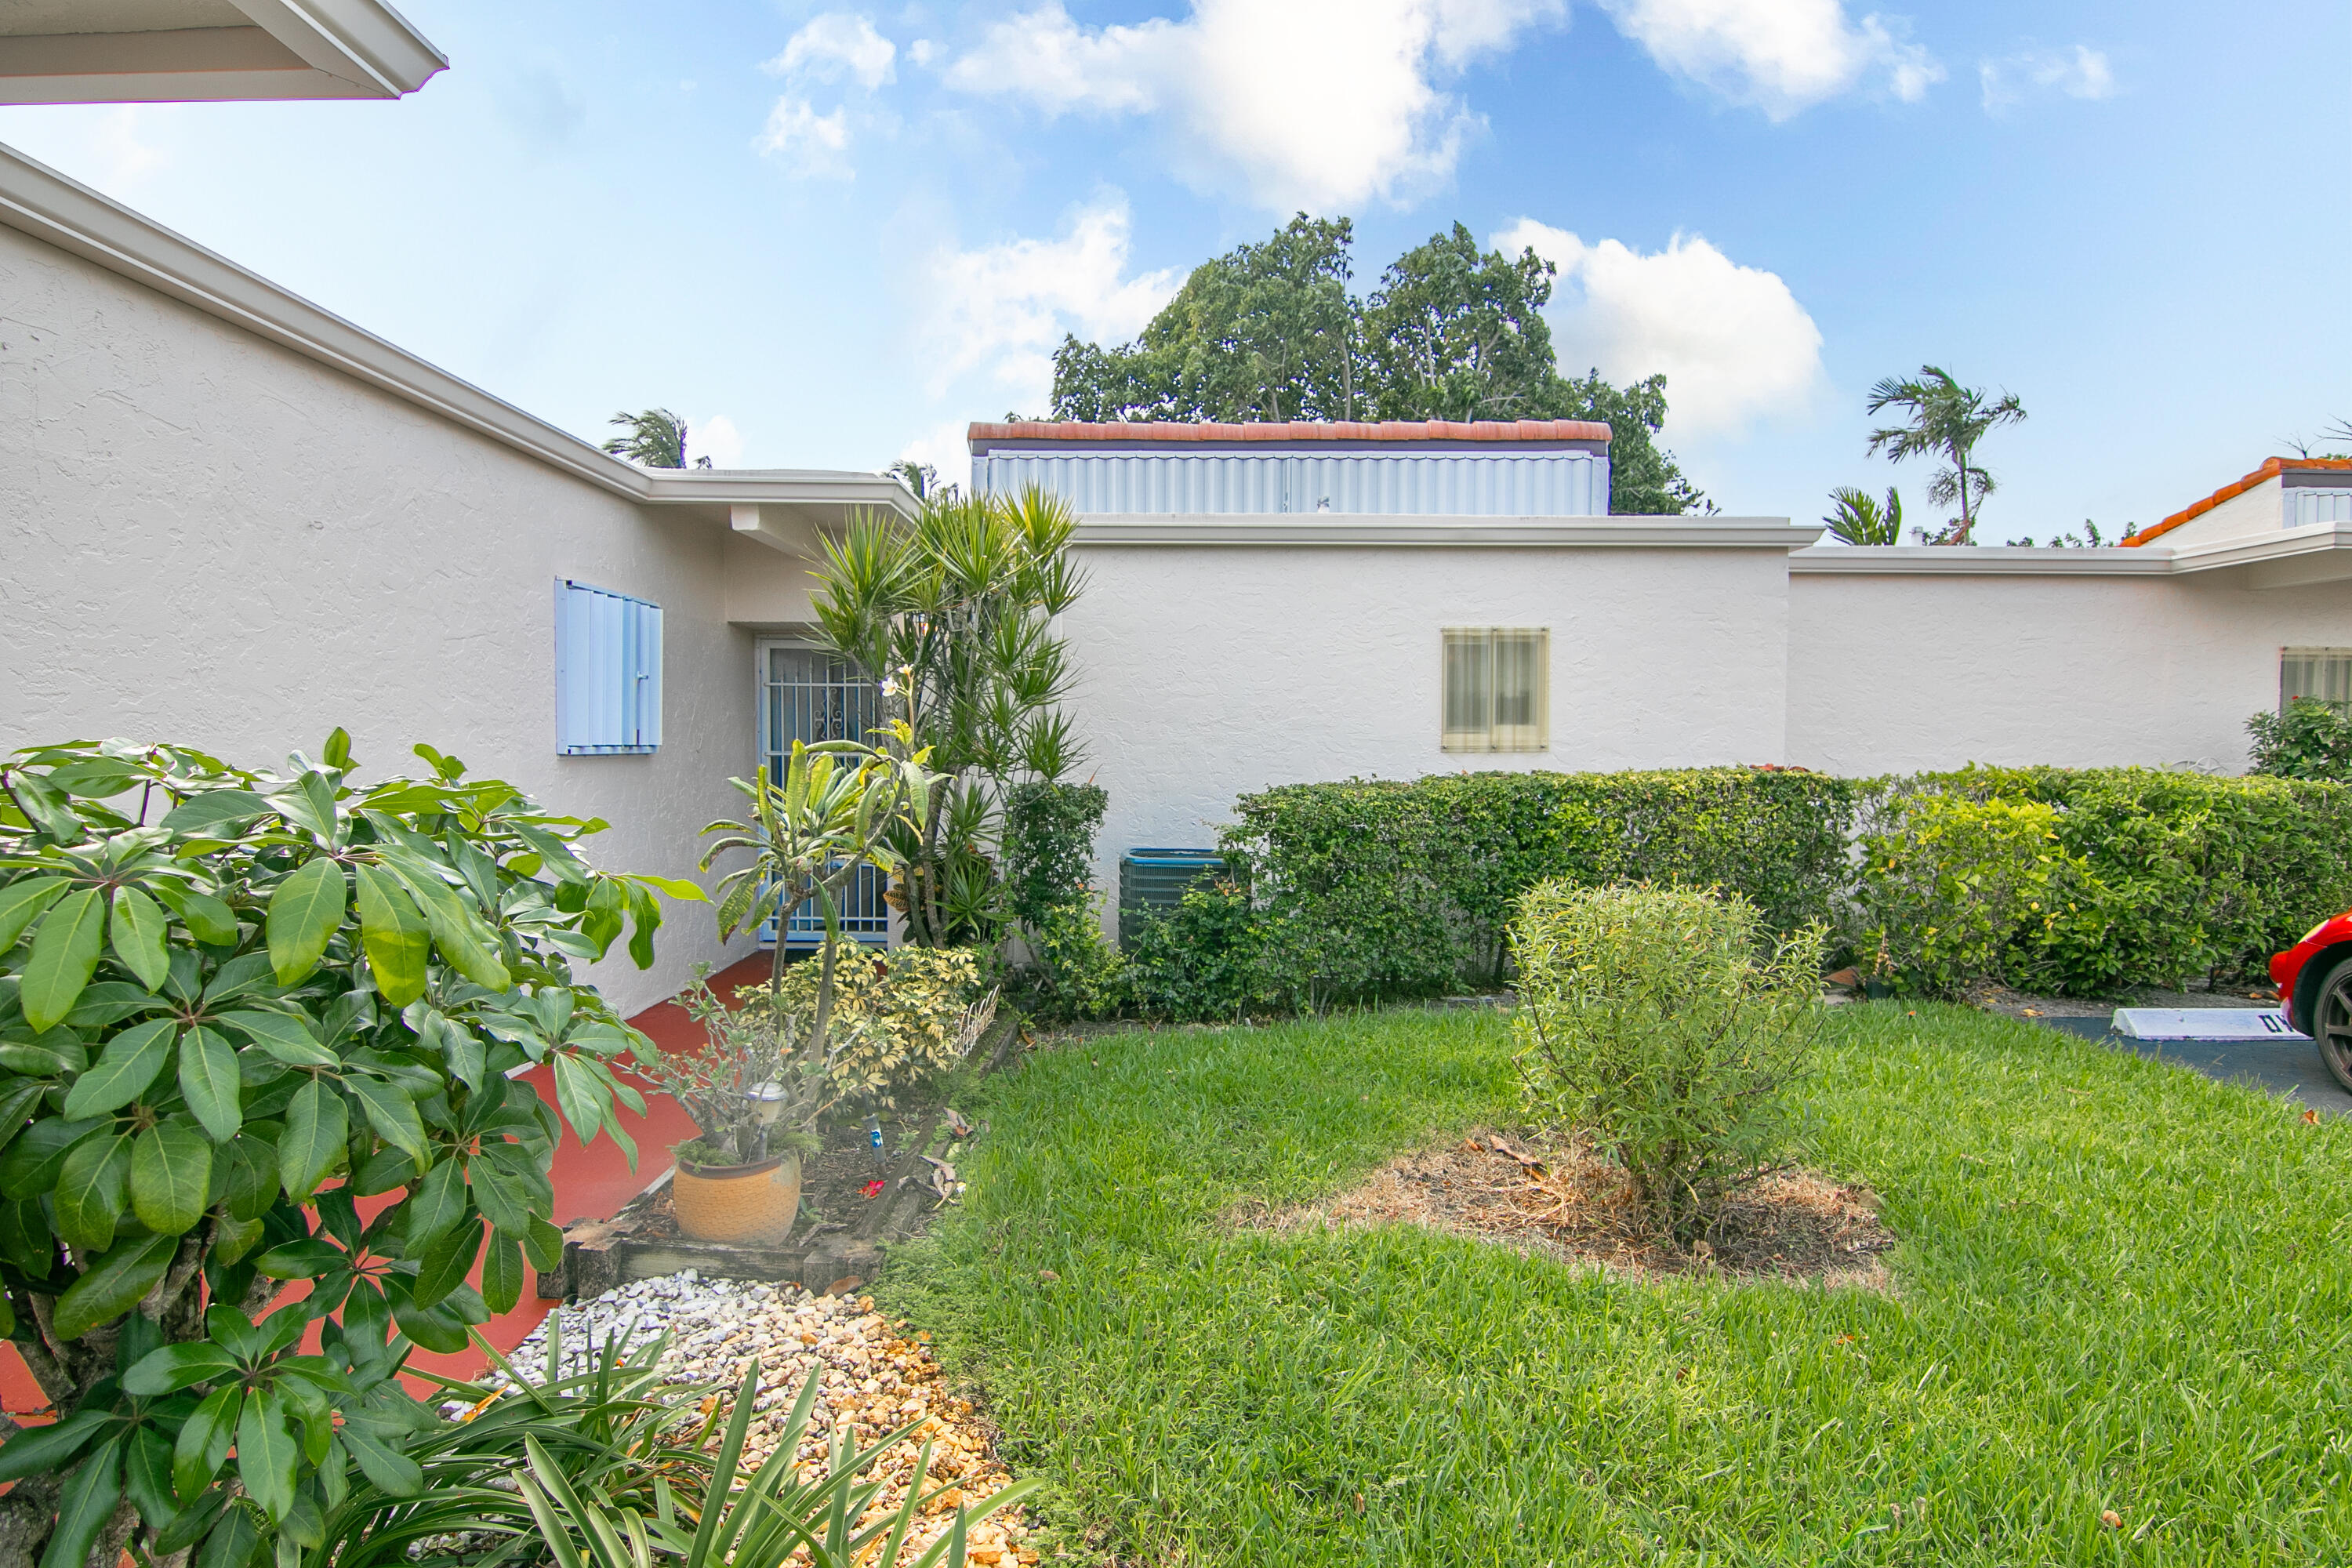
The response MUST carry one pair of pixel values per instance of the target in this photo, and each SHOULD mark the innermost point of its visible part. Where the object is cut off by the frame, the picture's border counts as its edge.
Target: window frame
(1492, 737)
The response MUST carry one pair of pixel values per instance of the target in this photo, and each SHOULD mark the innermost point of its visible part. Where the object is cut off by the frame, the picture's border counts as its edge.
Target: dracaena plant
(255, 1029)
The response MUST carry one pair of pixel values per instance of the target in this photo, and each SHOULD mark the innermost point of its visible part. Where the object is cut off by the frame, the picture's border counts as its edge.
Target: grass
(2120, 1287)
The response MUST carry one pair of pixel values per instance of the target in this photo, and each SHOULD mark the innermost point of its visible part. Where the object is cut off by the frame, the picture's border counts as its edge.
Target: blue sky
(829, 235)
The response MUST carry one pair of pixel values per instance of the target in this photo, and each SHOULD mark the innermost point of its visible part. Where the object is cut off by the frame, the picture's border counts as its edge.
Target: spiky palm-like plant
(1859, 519)
(1947, 421)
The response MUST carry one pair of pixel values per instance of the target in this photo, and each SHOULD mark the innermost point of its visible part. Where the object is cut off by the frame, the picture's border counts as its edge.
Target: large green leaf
(434, 1204)
(113, 1285)
(47, 808)
(446, 1263)
(503, 1273)
(93, 1186)
(389, 1469)
(288, 1038)
(147, 1477)
(16, 1103)
(174, 1367)
(51, 1448)
(391, 1113)
(65, 953)
(505, 1198)
(397, 938)
(208, 812)
(458, 931)
(131, 1061)
(317, 1125)
(203, 1442)
(265, 1453)
(208, 919)
(208, 1081)
(22, 903)
(30, 1167)
(90, 1494)
(171, 1173)
(136, 928)
(304, 912)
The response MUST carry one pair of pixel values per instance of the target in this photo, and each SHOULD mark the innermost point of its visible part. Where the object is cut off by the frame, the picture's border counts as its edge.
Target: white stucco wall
(213, 540)
(1902, 672)
(1205, 672)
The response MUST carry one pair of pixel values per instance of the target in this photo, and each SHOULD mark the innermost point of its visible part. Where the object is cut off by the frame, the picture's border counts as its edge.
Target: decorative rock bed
(875, 1375)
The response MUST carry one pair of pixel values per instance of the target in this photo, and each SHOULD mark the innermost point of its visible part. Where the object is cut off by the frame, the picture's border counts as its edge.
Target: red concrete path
(591, 1183)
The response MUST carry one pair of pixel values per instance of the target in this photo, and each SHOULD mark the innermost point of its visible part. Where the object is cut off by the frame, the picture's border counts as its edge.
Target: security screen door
(808, 694)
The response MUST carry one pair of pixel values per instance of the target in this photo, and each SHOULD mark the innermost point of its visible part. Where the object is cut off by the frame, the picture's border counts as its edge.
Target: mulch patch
(1551, 1197)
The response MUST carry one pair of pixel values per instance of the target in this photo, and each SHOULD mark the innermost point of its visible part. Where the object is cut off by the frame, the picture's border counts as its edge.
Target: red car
(2314, 981)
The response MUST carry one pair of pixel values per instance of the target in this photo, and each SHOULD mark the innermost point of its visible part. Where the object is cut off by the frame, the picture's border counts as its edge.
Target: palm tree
(1861, 520)
(655, 438)
(1947, 420)
(921, 479)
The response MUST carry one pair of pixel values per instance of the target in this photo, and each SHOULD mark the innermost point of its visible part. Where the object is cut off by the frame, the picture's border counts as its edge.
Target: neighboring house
(1270, 603)
(234, 519)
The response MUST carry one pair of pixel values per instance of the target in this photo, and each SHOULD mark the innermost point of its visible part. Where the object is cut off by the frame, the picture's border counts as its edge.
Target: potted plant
(761, 1079)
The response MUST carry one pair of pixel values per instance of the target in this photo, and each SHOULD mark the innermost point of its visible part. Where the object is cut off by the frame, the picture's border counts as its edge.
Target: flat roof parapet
(1515, 435)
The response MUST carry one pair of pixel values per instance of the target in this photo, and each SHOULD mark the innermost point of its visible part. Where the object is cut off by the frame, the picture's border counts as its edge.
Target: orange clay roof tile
(2269, 470)
(984, 435)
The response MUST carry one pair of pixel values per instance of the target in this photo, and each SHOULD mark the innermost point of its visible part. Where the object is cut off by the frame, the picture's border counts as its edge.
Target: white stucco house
(1271, 604)
(232, 517)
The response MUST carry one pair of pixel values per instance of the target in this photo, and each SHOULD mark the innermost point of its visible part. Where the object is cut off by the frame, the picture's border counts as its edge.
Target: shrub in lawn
(899, 1019)
(1946, 884)
(1662, 1023)
(221, 992)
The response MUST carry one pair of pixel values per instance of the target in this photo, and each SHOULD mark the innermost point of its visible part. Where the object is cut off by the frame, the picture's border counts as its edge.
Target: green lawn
(2120, 1286)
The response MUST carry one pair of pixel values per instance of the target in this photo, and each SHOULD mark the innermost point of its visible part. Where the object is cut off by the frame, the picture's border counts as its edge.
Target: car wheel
(2331, 1021)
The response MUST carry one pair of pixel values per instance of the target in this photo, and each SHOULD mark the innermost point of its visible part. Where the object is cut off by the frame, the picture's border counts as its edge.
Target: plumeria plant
(257, 1029)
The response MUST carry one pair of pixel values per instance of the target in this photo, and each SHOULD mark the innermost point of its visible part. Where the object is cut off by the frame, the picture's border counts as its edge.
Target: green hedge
(2075, 880)
(2167, 877)
(1380, 889)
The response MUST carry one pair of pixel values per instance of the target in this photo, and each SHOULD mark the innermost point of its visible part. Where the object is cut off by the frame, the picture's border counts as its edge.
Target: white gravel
(874, 1374)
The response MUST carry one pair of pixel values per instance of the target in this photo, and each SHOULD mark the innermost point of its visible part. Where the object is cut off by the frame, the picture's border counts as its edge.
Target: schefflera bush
(231, 1006)
(1662, 1023)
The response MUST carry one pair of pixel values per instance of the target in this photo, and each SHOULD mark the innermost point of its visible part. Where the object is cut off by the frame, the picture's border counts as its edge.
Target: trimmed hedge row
(2078, 881)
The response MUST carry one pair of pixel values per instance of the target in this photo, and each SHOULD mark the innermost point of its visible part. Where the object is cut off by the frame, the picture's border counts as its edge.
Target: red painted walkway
(591, 1183)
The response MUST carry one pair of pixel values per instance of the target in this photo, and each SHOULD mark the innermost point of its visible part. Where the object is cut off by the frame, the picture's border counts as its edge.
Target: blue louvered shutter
(607, 672)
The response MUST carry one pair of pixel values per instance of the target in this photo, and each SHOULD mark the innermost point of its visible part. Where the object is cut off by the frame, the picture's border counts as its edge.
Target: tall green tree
(1270, 331)
(1945, 420)
(1263, 332)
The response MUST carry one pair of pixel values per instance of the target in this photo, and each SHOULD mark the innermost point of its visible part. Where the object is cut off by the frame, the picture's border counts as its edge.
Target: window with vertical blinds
(2322, 673)
(1498, 689)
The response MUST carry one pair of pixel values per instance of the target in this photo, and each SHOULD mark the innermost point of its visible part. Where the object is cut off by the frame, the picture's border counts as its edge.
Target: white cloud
(1779, 55)
(814, 142)
(1733, 342)
(1001, 311)
(2080, 72)
(1310, 104)
(717, 438)
(946, 448)
(835, 45)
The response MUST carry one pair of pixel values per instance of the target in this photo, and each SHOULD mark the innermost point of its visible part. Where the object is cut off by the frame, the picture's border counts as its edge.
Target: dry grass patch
(1553, 1198)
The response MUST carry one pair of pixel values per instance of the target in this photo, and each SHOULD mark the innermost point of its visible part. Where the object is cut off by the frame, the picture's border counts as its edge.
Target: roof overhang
(787, 509)
(2321, 553)
(1326, 530)
(160, 51)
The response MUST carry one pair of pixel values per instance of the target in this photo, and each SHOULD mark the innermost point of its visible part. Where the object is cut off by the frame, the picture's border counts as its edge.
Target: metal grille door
(808, 694)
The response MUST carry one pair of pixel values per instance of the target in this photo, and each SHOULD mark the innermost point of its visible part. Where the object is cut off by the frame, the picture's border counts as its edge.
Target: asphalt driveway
(2288, 1068)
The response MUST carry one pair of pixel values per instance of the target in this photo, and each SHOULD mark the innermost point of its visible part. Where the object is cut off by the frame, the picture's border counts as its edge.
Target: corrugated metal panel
(2306, 507)
(607, 672)
(1468, 484)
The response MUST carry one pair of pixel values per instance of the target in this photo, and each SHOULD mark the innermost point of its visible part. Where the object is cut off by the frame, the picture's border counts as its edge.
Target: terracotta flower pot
(742, 1204)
